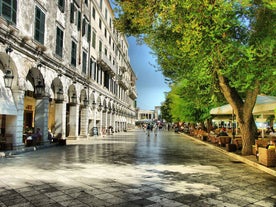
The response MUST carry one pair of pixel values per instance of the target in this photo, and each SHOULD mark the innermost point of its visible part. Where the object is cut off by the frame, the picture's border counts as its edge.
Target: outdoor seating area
(263, 149)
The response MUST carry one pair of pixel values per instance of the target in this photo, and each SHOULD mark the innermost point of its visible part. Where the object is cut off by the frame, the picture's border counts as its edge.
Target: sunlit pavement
(130, 169)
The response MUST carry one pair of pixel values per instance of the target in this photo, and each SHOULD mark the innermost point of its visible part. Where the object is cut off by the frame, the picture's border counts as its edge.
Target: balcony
(122, 82)
(106, 64)
(133, 93)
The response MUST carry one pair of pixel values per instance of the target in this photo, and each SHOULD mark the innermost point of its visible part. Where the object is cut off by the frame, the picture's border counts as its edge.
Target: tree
(227, 45)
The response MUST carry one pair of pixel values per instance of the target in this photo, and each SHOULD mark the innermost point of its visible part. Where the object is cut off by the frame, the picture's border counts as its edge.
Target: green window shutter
(89, 33)
(79, 20)
(84, 62)
(74, 54)
(14, 9)
(72, 13)
(83, 26)
(8, 9)
(61, 5)
(59, 42)
(39, 25)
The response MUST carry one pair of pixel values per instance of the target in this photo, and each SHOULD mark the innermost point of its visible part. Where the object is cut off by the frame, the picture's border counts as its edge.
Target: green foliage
(207, 47)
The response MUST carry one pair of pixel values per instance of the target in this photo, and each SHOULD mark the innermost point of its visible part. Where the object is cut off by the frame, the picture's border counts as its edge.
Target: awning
(264, 105)
(7, 105)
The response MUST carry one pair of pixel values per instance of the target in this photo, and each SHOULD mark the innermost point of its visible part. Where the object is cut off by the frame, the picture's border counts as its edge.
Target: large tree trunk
(243, 107)
(248, 131)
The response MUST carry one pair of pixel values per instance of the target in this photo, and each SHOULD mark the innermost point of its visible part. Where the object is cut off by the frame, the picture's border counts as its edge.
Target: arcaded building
(63, 68)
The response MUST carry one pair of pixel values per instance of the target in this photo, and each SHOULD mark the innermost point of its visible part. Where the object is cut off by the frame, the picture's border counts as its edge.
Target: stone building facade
(69, 68)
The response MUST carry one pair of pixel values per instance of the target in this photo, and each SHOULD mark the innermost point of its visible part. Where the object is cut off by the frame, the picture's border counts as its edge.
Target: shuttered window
(59, 42)
(8, 9)
(39, 25)
(74, 54)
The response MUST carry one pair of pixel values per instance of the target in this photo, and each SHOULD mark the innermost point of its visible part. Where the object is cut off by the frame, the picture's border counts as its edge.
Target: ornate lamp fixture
(8, 77)
(39, 88)
(60, 97)
(74, 98)
(85, 102)
(100, 107)
(94, 104)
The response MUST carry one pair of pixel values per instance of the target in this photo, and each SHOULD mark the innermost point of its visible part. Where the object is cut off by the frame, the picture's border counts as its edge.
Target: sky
(150, 84)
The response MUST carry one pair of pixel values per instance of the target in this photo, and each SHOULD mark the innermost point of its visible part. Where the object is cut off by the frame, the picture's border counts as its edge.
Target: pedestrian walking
(155, 129)
(148, 129)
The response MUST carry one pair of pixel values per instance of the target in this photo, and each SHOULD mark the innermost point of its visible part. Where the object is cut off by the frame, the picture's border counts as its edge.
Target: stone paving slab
(130, 169)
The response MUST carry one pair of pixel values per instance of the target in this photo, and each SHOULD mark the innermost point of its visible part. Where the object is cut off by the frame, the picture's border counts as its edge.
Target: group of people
(152, 127)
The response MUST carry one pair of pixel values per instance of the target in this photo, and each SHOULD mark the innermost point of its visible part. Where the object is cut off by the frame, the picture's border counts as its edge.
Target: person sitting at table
(36, 137)
(223, 132)
(271, 145)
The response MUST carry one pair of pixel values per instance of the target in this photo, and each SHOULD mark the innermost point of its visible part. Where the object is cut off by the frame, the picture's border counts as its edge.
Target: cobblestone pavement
(130, 169)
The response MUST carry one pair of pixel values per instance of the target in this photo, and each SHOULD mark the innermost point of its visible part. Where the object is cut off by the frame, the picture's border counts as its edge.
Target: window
(86, 29)
(105, 14)
(94, 39)
(86, 2)
(94, 13)
(39, 25)
(74, 54)
(106, 80)
(101, 4)
(61, 5)
(8, 10)
(84, 62)
(79, 20)
(100, 46)
(100, 23)
(105, 51)
(105, 32)
(59, 42)
(75, 15)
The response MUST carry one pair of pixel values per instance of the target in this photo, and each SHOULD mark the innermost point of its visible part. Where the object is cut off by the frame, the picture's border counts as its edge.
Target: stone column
(18, 96)
(84, 122)
(60, 119)
(73, 122)
(41, 117)
(101, 122)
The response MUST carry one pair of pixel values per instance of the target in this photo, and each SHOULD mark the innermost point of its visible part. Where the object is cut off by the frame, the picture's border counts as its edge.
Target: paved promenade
(130, 169)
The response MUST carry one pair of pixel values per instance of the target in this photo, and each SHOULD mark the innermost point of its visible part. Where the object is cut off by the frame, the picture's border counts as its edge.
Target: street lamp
(8, 77)
(85, 102)
(100, 107)
(39, 88)
(74, 98)
(94, 104)
(60, 97)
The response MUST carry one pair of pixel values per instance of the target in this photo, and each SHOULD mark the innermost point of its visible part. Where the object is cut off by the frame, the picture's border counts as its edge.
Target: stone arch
(35, 78)
(83, 96)
(57, 87)
(72, 92)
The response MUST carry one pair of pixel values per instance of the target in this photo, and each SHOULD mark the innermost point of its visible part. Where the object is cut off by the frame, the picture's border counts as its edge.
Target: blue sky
(150, 84)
